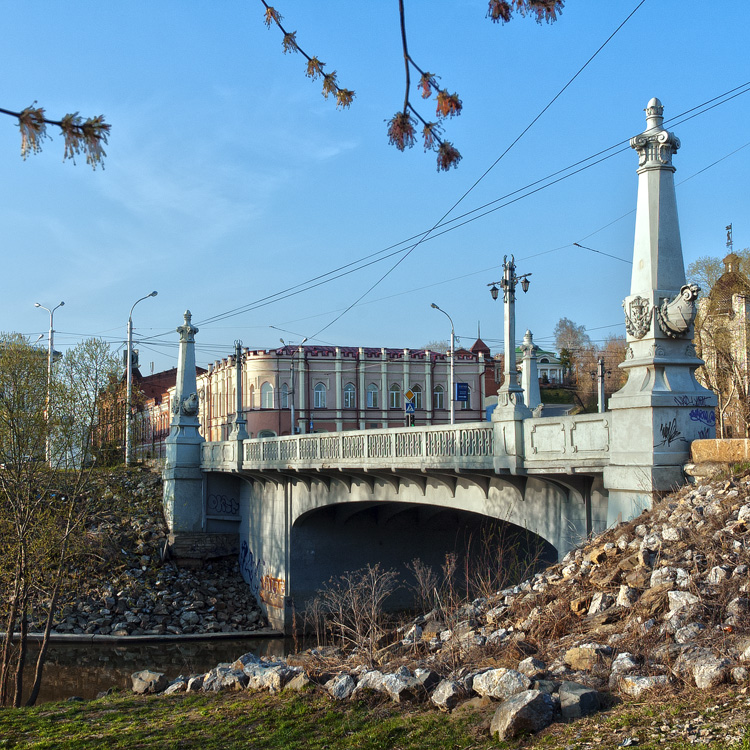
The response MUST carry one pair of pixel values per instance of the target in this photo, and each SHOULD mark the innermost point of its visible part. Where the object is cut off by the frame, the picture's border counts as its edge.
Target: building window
(266, 434)
(266, 396)
(438, 397)
(417, 390)
(350, 396)
(467, 404)
(284, 396)
(320, 396)
(373, 402)
(394, 396)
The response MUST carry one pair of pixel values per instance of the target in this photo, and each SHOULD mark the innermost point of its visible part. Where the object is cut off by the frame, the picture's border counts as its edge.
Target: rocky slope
(659, 604)
(124, 588)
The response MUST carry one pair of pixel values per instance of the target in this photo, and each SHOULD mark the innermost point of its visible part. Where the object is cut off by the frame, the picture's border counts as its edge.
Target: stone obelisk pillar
(183, 481)
(662, 408)
(530, 372)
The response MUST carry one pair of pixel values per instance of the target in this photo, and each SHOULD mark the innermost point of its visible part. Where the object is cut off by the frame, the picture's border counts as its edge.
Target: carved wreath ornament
(637, 317)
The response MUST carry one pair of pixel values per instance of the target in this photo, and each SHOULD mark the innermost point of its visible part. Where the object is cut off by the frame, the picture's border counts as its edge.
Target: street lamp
(453, 342)
(291, 369)
(50, 355)
(508, 285)
(129, 380)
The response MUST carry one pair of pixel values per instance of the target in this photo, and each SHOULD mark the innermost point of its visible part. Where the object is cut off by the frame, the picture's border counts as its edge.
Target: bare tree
(45, 500)
(354, 603)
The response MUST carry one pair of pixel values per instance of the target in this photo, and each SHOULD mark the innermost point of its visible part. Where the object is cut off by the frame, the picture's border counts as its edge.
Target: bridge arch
(334, 538)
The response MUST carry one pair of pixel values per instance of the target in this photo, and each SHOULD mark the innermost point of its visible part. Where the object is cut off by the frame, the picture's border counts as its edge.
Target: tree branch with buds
(82, 137)
(402, 127)
(315, 68)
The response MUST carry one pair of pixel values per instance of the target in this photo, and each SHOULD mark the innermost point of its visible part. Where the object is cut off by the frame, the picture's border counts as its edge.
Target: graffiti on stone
(704, 416)
(250, 568)
(670, 433)
(222, 505)
(691, 400)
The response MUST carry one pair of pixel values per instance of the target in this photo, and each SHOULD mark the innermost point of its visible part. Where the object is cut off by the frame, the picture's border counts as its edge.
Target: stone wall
(202, 546)
(720, 451)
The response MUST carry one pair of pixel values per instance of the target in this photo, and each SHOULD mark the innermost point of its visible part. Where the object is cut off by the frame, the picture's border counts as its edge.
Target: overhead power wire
(372, 258)
(450, 225)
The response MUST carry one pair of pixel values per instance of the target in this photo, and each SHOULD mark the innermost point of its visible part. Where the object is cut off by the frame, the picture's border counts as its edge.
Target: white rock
(679, 599)
(500, 683)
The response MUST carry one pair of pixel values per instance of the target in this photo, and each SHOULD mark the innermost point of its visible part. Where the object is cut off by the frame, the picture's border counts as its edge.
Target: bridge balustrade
(551, 444)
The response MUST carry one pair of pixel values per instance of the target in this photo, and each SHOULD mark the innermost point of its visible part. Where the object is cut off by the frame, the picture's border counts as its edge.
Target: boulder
(532, 668)
(527, 712)
(147, 681)
(600, 602)
(500, 683)
(578, 700)
(426, 677)
(194, 684)
(340, 687)
(586, 656)
(403, 687)
(448, 694)
(224, 678)
(300, 682)
(707, 670)
(679, 599)
(635, 685)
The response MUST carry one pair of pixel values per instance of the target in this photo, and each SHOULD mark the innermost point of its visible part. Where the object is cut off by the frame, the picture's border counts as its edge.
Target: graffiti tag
(250, 568)
(691, 400)
(669, 433)
(705, 416)
(223, 505)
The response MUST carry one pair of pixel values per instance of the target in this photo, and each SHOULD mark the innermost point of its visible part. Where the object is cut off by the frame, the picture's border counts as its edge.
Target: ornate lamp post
(453, 345)
(239, 428)
(510, 392)
(50, 356)
(129, 381)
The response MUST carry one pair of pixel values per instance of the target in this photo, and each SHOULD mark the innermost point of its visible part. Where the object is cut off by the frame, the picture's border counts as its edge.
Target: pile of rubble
(658, 603)
(126, 588)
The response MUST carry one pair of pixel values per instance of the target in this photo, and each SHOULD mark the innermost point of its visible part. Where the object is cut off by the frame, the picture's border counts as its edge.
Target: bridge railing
(475, 439)
(469, 443)
(557, 444)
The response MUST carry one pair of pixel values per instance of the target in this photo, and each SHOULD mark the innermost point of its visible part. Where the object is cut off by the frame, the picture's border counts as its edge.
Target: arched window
(467, 404)
(438, 397)
(350, 396)
(373, 401)
(417, 390)
(394, 396)
(320, 396)
(266, 396)
(266, 434)
(251, 397)
(284, 396)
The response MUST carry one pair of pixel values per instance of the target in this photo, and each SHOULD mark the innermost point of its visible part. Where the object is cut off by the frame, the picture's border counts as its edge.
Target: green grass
(312, 721)
(228, 721)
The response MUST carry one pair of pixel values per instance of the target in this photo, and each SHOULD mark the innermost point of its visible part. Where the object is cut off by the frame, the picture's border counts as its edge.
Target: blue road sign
(408, 407)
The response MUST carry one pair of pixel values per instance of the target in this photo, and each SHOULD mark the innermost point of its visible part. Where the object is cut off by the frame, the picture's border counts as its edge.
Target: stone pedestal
(183, 479)
(662, 408)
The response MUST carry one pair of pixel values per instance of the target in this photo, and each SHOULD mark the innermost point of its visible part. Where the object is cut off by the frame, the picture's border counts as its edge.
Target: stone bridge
(300, 509)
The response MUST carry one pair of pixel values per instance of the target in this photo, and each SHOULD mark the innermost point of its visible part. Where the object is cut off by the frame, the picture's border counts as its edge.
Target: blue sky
(230, 178)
